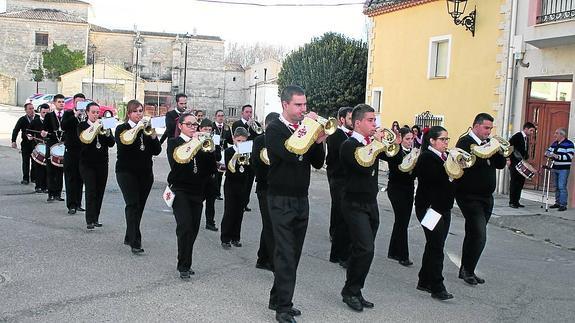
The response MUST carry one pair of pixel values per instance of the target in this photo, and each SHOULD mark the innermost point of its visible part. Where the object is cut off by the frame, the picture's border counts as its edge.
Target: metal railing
(426, 119)
(556, 10)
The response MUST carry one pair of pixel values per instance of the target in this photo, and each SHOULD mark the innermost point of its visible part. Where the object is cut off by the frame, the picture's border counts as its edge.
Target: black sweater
(89, 154)
(433, 186)
(334, 168)
(360, 182)
(22, 125)
(397, 177)
(288, 175)
(237, 181)
(478, 179)
(182, 176)
(70, 126)
(251, 131)
(53, 126)
(259, 167)
(130, 158)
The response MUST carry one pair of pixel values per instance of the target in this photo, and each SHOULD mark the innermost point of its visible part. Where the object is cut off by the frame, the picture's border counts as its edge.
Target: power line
(256, 4)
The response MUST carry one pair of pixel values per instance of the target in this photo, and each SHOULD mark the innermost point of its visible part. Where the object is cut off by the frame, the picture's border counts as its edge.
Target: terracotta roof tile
(43, 14)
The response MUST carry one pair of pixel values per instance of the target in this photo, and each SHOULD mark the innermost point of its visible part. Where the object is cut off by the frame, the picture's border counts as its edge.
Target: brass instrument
(129, 136)
(242, 160)
(457, 160)
(366, 155)
(308, 132)
(187, 151)
(495, 145)
(409, 161)
(89, 134)
(264, 156)
(255, 127)
(389, 140)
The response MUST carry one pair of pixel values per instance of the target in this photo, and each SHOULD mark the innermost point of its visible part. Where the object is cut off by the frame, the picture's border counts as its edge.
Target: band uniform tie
(367, 139)
(444, 156)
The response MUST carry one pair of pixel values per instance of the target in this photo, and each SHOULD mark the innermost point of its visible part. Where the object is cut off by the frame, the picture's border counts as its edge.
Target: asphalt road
(53, 269)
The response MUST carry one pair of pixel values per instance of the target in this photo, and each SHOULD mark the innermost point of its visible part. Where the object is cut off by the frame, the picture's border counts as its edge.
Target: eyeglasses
(190, 125)
(139, 110)
(444, 139)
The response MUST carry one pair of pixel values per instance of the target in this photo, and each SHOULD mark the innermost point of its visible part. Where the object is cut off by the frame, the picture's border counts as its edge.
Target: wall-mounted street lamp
(456, 8)
(138, 41)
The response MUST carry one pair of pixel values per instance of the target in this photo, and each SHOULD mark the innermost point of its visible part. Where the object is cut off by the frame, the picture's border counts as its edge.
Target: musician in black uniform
(288, 199)
(520, 143)
(234, 191)
(260, 165)
(221, 129)
(248, 123)
(338, 230)
(211, 181)
(434, 191)
(72, 176)
(172, 117)
(37, 126)
(94, 165)
(54, 134)
(359, 204)
(27, 144)
(474, 195)
(134, 172)
(187, 181)
(400, 188)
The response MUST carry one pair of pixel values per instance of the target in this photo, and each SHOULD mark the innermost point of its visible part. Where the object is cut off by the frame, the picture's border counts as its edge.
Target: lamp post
(93, 49)
(456, 8)
(137, 44)
(255, 93)
(186, 41)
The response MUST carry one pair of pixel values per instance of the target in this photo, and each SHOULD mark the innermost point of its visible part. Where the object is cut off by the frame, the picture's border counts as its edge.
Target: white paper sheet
(430, 219)
(108, 123)
(159, 122)
(216, 139)
(245, 147)
(81, 106)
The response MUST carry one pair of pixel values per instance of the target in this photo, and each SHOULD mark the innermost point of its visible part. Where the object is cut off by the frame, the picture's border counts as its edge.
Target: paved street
(52, 269)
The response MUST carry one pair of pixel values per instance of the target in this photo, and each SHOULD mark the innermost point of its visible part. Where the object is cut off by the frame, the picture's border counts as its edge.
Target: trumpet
(242, 160)
(496, 144)
(264, 156)
(367, 155)
(187, 151)
(129, 136)
(388, 140)
(457, 160)
(409, 161)
(302, 139)
(88, 135)
(255, 127)
(329, 125)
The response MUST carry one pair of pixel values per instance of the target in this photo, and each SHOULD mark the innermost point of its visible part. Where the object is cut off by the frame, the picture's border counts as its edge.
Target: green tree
(332, 70)
(61, 60)
(38, 76)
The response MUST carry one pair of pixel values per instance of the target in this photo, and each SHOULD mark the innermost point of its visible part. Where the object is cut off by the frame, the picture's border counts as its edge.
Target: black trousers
(249, 185)
(431, 272)
(289, 217)
(27, 173)
(476, 210)
(515, 185)
(188, 213)
(219, 176)
(135, 189)
(55, 176)
(338, 229)
(95, 177)
(362, 220)
(211, 192)
(234, 204)
(73, 178)
(401, 197)
(41, 177)
(266, 249)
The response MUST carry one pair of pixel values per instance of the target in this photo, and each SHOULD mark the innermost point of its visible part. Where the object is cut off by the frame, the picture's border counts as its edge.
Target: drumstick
(37, 131)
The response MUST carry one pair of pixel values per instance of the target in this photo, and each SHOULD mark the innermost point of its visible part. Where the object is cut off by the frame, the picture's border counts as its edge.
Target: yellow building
(419, 60)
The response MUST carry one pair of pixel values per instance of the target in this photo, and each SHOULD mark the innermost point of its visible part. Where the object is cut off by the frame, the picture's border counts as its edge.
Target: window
(41, 39)
(439, 57)
(156, 68)
(232, 111)
(551, 90)
(376, 99)
(234, 78)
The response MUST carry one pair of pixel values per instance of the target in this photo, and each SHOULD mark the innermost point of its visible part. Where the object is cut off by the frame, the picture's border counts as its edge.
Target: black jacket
(397, 177)
(22, 125)
(360, 182)
(519, 148)
(334, 168)
(54, 127)
(70, 126)
(288, 175)
(433, 186)
(37, 125)
(260, 168)
(89, 153)
(237, 181)
(171, 124)
(240, 123)
(225, 135)
(480, 178)
(131, 158)
(182, 176)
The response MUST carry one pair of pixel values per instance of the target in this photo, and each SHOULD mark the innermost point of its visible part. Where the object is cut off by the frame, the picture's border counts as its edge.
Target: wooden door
(547, 117)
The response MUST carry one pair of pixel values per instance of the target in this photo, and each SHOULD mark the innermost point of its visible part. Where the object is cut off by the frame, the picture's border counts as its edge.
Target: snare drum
(39, 154)
(525, 169)
(57, 154)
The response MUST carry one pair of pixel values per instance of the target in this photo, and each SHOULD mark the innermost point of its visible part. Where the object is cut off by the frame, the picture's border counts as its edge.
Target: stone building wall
(78, 8)
(7, 90)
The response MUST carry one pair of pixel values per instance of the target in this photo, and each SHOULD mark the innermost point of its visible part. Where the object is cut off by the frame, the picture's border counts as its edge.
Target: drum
(549, 162)
(57, 154)
(525, 169)
(39, 154)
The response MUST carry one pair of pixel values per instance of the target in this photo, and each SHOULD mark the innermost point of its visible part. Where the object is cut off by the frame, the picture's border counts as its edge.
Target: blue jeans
(561, 176)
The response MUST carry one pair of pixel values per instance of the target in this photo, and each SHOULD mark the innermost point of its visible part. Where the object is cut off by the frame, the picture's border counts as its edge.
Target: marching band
(423, 172)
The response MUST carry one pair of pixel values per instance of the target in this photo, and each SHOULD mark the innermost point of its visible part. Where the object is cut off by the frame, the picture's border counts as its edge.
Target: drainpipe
(504, 175)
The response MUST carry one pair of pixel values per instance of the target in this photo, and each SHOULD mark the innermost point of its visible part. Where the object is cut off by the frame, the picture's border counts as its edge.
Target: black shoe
(90, 226)
(344, 263)
(424, 288)
(555, 206)
(211, 227)
(137, 250)
(285, 318)
(520, 205)
(50, 199)
(72, 211)
(442, 296)
(479, 280)
(80, 209)
(226, 245)
(45, 191)
(365, 303)
(58, 198)
(264, 266)
(236, 244)
(247, 209)
(97, 224)
(219, 198)
(185, 274)
(292, 311)
(467, 277)
(25, 182)
(38, 190)
(514, 206)
(353, 302)
(562, 208)
(406, 262)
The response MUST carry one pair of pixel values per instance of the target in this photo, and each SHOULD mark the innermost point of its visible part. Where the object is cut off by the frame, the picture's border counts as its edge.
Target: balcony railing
(556, 10)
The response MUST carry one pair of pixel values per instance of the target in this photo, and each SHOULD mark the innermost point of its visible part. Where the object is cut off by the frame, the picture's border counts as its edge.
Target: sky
(287, 26)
